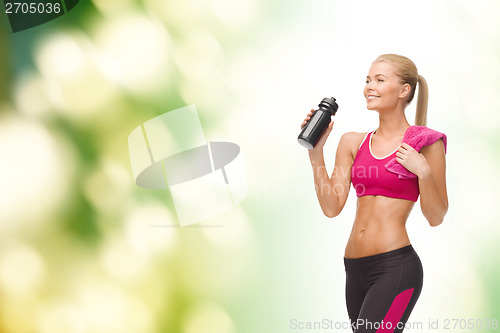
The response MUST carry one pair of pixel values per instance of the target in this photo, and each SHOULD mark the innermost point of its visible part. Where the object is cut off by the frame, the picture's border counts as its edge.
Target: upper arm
(341, 174)
(435, 156)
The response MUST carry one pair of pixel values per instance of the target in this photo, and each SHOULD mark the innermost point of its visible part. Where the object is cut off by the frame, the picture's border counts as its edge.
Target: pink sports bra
(370, 177)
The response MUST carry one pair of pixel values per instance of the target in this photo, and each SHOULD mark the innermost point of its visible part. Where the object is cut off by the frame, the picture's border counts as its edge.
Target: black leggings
(382, 289)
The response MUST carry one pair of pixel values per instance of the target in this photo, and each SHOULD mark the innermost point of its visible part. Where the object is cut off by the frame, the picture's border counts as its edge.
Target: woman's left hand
(411, 159)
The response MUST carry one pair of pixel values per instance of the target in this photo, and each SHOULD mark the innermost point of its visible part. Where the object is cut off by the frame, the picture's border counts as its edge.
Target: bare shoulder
(436, 148)
(350, 141)
(353, 137)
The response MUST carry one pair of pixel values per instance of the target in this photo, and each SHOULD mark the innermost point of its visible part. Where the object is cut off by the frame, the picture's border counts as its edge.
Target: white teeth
(372, 97)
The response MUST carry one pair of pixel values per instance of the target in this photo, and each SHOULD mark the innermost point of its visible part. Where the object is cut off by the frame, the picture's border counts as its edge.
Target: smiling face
(384, 89)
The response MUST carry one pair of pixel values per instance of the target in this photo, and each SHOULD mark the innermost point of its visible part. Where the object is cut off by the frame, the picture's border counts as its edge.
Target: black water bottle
(318, 123)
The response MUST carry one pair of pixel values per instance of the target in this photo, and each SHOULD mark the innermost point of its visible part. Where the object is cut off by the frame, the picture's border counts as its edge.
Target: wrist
(425, 172)
(315, 154)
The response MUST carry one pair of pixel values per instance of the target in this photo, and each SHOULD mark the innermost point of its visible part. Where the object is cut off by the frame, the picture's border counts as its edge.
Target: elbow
(332, 209)
(331, 213)
(437, 218)
(435, 222)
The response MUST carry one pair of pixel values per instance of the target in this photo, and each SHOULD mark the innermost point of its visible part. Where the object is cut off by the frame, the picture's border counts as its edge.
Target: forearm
(325, 189)
(434, 206)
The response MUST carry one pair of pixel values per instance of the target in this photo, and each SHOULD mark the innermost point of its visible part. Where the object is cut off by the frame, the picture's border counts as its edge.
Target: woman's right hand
(322, 138)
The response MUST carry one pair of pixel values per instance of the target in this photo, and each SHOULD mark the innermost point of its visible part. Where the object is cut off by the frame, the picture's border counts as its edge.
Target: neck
(392, 123)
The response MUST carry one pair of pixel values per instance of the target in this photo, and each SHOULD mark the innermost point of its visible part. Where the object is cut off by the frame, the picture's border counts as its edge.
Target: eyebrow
(375, 75)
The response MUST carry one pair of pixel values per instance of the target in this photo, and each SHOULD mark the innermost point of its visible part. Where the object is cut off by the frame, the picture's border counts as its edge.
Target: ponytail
(423, 97)
(407, 72)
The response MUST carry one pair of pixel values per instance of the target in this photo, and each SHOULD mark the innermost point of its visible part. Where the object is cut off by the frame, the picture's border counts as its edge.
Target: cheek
(391, 93)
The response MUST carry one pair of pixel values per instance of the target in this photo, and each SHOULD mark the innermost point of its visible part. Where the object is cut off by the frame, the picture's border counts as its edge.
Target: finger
(399, 154)
(330, 126)
(406, 146)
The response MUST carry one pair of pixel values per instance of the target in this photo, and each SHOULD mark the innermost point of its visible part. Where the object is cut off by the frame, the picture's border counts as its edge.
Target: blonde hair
(407, 72)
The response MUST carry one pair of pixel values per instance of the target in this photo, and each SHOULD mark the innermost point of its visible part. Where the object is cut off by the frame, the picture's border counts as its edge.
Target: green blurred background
(83, 249)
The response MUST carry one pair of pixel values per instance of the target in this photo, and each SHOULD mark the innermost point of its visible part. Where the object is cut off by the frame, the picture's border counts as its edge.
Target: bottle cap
(329, 104)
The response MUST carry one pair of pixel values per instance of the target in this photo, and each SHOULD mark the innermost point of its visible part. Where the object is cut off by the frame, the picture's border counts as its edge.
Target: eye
(380, 80)
(367, 81)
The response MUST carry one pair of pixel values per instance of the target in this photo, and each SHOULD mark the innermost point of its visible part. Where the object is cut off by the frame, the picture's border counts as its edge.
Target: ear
(405, 91)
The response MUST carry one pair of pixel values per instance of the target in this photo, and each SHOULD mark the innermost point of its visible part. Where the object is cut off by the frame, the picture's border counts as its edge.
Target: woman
(383, 272)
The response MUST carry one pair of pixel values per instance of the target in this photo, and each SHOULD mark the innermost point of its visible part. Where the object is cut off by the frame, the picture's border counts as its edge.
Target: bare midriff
(379, 226)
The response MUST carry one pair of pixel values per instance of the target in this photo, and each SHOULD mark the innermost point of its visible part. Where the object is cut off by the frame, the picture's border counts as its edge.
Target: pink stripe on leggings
(396, 311)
